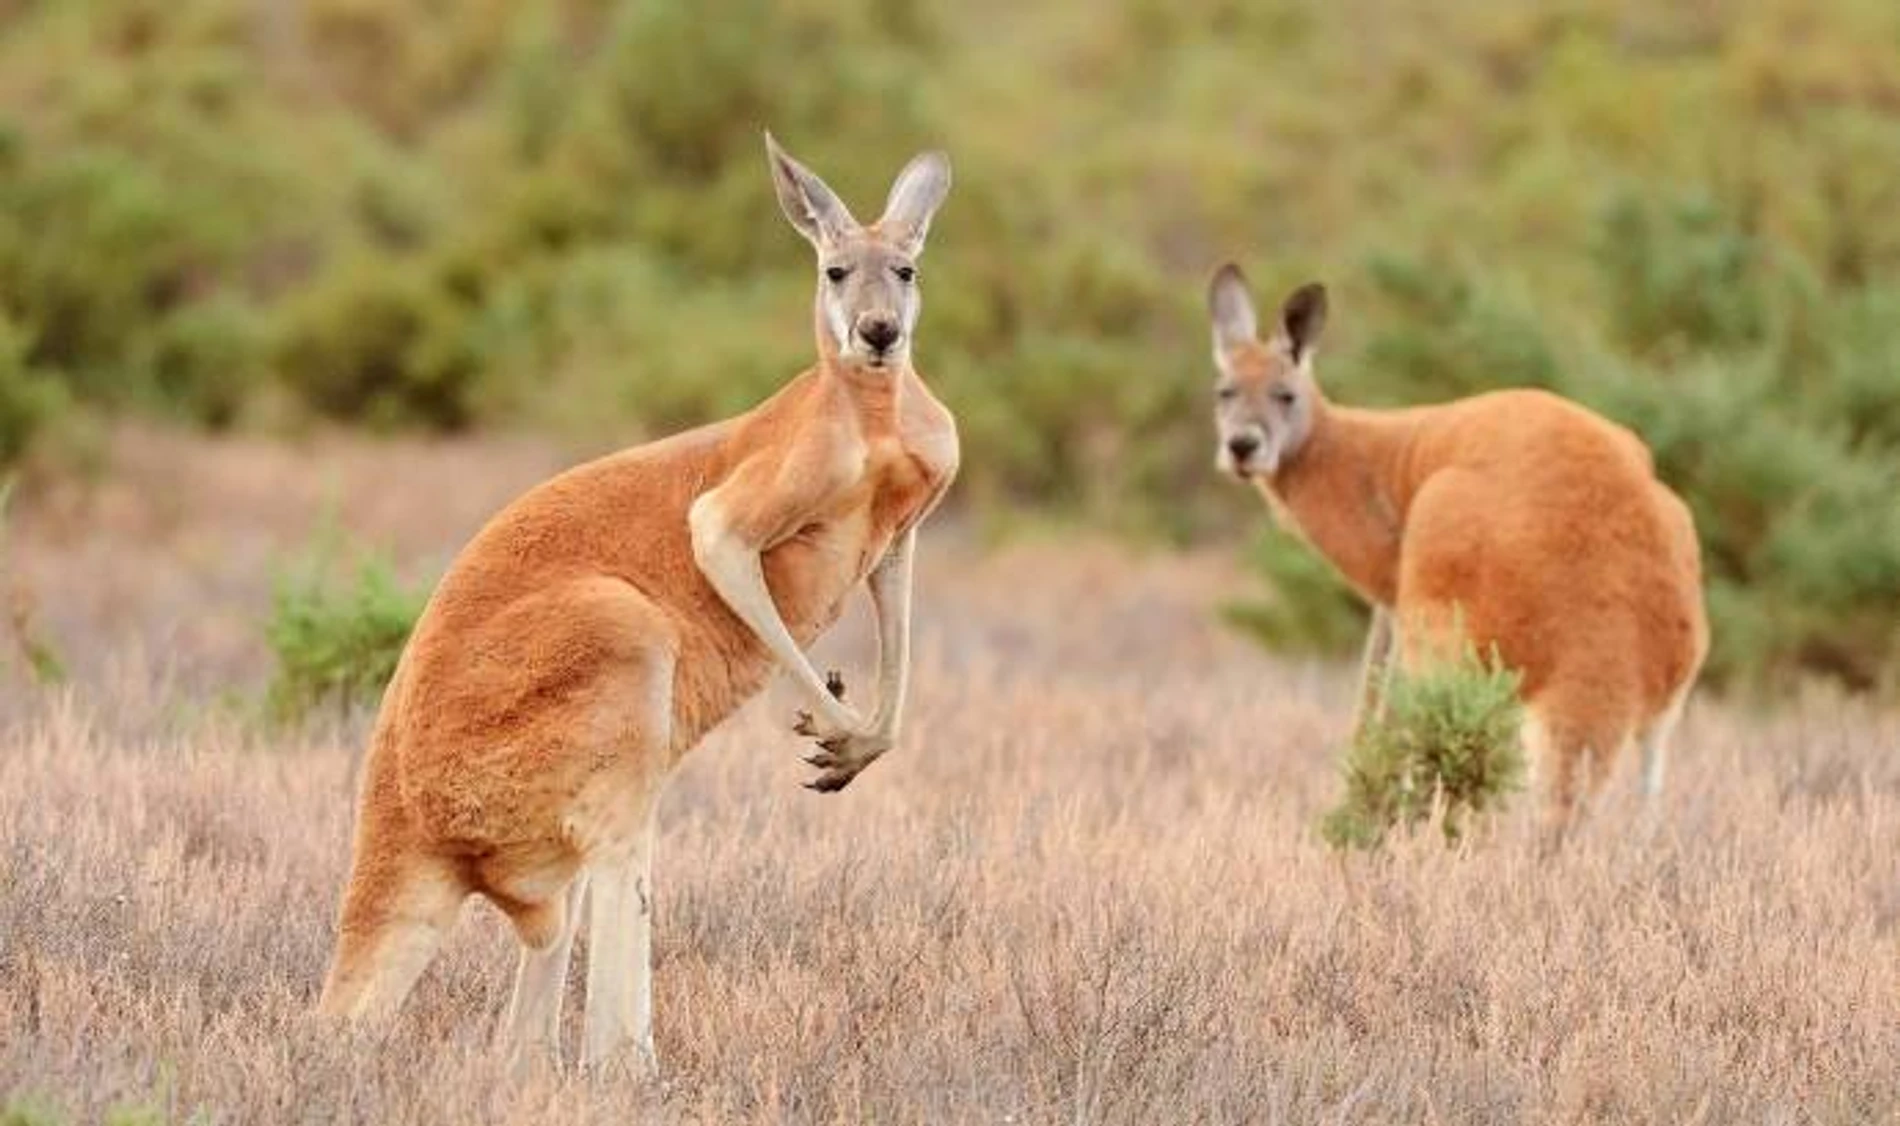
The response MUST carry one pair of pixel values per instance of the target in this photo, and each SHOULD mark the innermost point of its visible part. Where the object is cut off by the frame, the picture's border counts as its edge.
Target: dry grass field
(1088, 889)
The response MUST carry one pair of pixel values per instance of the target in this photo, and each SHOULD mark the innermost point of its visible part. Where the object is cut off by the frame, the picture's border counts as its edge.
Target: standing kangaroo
(1514, 519)
(600, 625)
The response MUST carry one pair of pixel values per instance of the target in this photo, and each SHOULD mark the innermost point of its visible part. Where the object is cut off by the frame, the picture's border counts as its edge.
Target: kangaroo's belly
(812, 574)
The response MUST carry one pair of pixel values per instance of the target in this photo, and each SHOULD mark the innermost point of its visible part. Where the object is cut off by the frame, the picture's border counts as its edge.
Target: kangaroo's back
(620, 517)
(1544, 524)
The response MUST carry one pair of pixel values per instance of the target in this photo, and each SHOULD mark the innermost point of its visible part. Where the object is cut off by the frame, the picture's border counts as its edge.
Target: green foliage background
(402, 213)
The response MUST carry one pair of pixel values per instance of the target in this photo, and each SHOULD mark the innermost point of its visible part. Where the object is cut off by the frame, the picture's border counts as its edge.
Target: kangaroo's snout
(1243, 446)
(880, 331)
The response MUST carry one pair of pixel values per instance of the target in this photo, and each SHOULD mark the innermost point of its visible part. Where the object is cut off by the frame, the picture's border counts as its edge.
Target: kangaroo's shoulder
(929, 430)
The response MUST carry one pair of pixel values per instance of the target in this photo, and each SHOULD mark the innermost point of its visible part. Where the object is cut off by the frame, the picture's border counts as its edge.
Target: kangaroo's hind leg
(1654, 739)
(397, 910)
(534, 1010)
(620, 747)
(619, 956)
(1571, 753)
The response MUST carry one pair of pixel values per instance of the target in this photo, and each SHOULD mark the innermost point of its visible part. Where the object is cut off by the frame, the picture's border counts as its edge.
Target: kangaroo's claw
(831, 781)
(834, 683)
(803, 724)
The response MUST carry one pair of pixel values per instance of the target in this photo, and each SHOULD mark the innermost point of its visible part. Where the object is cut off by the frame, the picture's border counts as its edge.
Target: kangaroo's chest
(908, 462)
(905, 470)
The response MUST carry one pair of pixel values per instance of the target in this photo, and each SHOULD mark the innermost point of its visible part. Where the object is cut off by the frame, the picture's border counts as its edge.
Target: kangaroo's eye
(837, 273)
(1283, 396)
(1226, 394)
(905, 274)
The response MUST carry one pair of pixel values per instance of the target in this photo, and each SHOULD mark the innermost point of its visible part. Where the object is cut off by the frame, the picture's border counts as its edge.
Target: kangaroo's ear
(915, 196)
(1230, 304)
(1302, 319)
(812, 207)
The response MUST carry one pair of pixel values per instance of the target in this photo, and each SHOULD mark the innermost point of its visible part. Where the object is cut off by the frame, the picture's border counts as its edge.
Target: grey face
(867, 290)
(868, 297)
(1265, 395)
(1263, 411)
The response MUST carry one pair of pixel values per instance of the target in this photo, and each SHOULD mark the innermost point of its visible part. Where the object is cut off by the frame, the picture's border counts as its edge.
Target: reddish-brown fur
(576, 650)
(506, 703)
(1533, 524)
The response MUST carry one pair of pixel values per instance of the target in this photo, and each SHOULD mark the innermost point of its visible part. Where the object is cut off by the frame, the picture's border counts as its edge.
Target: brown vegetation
(1088, 888)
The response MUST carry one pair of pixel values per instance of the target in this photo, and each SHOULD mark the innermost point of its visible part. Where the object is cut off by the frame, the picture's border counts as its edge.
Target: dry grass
(1087, 890)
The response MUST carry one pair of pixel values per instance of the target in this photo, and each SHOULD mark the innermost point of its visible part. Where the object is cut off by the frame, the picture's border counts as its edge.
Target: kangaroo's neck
(1347, 491)
(877, 394)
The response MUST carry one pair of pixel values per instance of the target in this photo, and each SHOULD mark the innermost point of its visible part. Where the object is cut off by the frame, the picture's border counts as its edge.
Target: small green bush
(30, 1111)
(336, 639)
(29, 398)
(1445, 743)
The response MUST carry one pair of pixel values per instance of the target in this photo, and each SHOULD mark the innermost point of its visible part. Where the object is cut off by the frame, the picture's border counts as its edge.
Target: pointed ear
(1231, 306)
(1302, 319)
(812, 207)
(915, 196)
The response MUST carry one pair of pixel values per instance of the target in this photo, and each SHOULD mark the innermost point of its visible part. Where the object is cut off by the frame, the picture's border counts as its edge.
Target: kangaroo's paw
(840, 758)
(803, 723)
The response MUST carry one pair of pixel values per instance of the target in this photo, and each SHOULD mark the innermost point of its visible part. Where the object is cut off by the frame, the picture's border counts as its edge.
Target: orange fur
(577, 649)
(1522, 521)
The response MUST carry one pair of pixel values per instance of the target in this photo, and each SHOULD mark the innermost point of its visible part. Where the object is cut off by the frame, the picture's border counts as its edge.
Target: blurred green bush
(339, 621)
(411, 214)
(1444, 746)
(30, 398)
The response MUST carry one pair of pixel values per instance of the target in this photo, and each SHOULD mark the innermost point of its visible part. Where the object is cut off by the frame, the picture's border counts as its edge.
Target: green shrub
(97, 249)
(208, 359)
(30, 1111)
(1681, 274)
(1848, 377)
(336, 634)
(30, 399)
(1445, 744)
(382, 342)
(1438, 332)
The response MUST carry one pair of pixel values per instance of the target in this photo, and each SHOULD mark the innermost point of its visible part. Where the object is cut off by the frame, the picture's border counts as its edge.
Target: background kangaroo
(1516, 519)
(598, 627)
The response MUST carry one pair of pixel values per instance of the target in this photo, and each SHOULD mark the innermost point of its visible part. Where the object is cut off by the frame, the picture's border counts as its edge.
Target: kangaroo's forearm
(734, 570)
(890, 586)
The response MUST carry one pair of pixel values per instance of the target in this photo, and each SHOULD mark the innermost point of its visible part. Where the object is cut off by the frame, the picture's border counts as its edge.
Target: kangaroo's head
(867, 276)
(1265, 398)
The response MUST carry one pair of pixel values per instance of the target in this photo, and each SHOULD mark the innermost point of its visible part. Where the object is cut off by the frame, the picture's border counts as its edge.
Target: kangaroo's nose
(880, 332)
(1242, 446)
